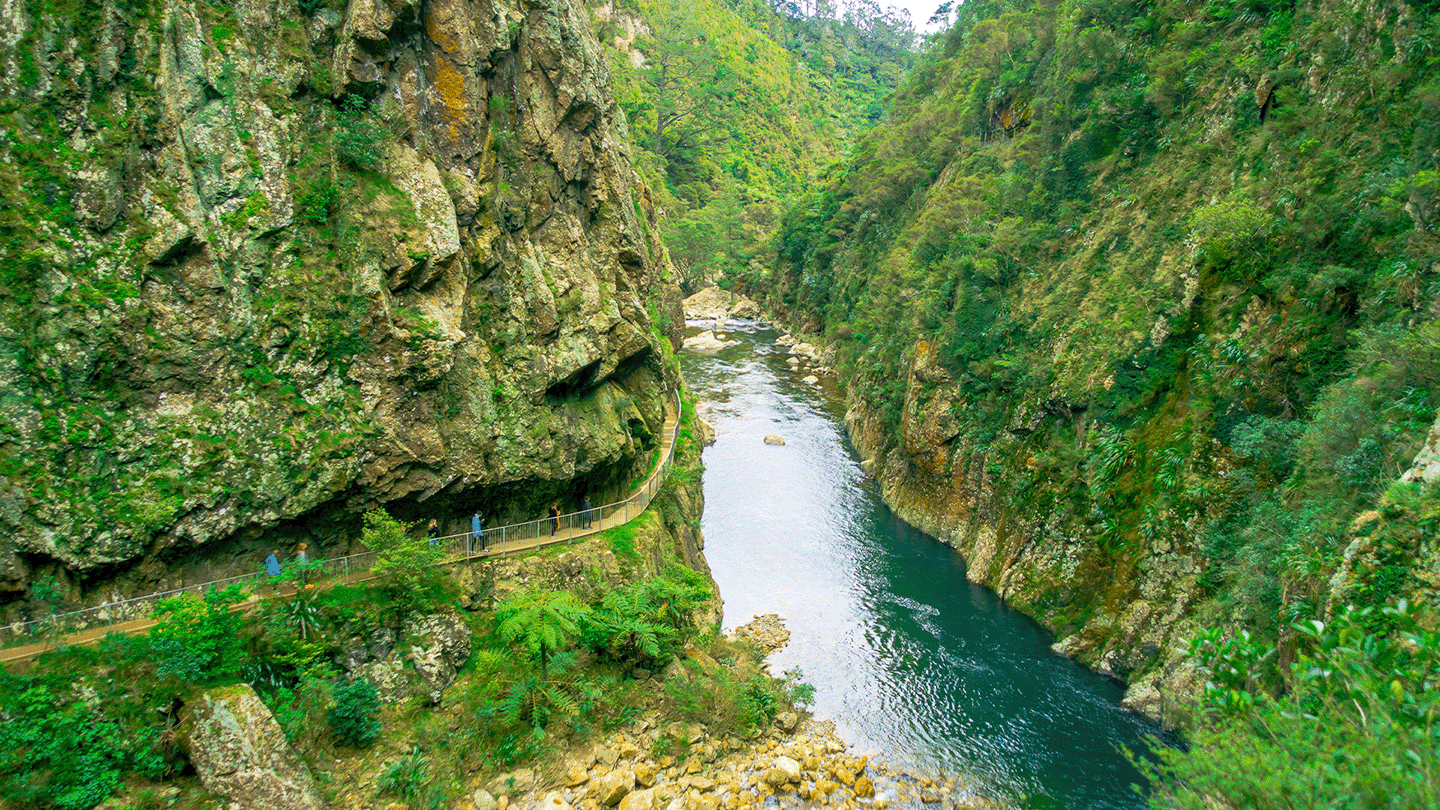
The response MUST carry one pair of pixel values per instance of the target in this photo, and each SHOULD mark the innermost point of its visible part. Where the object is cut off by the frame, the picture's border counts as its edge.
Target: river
(914, 663)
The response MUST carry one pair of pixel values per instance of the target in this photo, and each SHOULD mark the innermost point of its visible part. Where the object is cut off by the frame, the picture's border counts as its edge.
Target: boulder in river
(706, 342)
(767, 632)
(713, 303)
(775, 439)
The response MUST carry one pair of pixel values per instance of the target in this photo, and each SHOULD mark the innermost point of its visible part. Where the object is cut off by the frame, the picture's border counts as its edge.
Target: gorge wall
(269, 264)
(1137, 305)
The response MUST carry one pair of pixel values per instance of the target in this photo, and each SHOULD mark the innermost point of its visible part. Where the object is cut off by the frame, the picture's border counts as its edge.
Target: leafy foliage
(739, 104)
(1162, 307)
(410, 778)
(404, 561)
(540, 622)
(352, 716)
(58, 752)
(1355, 728)
(359, 140)
(196, 639)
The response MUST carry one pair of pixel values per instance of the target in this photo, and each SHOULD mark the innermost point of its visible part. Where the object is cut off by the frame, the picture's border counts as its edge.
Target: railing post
(347, 570)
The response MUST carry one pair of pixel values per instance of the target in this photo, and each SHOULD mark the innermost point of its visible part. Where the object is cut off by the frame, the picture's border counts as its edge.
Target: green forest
(1143, 296)
(736, 106)
(1171, 271)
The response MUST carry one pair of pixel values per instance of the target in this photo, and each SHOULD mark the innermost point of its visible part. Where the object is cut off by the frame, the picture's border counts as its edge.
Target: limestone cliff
(268, 264)
(1136, 304)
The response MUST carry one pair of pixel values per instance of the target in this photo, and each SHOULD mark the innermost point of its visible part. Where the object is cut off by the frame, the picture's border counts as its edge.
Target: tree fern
(540, 622)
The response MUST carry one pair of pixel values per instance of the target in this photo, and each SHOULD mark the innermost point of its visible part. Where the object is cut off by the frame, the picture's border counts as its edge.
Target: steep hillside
(737, 105)
(267, 265)
(1139, 304)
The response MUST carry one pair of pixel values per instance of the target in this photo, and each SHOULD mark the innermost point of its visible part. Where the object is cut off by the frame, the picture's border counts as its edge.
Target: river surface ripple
(914, 663)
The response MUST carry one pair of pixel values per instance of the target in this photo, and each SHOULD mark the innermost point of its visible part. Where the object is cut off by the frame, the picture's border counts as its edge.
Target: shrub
(540, 622)
(405, 563)
(56, 751)
(353, 714)
(359, 140)
(198, 639)
(315, 203)
(409, 777)
(301, 710)
(1355, 729)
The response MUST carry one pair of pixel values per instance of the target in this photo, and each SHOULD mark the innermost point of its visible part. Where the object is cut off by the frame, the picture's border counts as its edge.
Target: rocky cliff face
(269, 264)
(1119, 619)
(1137, 308)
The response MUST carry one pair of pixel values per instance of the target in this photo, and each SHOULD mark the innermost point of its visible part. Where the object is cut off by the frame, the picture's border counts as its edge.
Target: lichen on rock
(240, 753)
(273, 270)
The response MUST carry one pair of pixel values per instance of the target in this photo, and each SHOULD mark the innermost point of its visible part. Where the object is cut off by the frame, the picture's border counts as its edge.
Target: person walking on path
(302, 561)
(586, 517)
(272, 570)
(432, 531)
(554, 518)
(477, 531)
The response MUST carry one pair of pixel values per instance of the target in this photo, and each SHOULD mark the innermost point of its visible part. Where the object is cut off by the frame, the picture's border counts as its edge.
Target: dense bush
(352, 716)
(359, 139)
(197, 639)
(1351, 723)
(404, 561)
(56, 751)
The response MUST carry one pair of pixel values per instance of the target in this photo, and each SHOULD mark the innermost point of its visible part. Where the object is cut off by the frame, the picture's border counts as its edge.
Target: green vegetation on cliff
(266, 266)
(1168, 271)
(1138, 305)
(736, 105)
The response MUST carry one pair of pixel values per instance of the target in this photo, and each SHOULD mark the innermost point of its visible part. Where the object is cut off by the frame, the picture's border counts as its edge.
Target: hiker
(272, 564)
(477, 530)
(302, 558)
(586, 516)
(554, 518)
(432, 531)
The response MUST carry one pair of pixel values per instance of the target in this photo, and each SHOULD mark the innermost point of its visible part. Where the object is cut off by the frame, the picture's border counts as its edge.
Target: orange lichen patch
(449, 85)
(438, 33)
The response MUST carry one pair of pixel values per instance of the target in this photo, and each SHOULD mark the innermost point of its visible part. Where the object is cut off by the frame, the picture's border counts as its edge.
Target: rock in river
(706, 342)
(775, 439)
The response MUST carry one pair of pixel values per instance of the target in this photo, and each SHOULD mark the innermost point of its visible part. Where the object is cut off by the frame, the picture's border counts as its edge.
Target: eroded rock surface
(716, 304)
(391, 254)
(240, 753)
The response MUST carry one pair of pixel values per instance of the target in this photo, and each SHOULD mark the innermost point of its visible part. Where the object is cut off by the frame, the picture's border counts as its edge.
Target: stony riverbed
(797, 764)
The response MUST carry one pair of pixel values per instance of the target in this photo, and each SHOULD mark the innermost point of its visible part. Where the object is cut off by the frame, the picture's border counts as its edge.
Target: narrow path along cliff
(499, 541)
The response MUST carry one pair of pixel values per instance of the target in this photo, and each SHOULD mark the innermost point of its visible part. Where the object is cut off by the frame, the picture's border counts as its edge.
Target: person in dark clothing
(432, 531)
(554, 518)
(477, 530)
(586, 516)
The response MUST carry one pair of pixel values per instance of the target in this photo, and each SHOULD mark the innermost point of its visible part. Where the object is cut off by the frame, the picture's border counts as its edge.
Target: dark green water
(913, 662)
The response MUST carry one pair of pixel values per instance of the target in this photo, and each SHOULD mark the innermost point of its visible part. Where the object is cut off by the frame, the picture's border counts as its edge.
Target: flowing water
(913, 662)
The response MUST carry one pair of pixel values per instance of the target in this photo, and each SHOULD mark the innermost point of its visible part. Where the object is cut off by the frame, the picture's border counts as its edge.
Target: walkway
(132, 616)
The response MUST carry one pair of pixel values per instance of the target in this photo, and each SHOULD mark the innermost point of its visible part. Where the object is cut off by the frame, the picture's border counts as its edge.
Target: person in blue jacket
(272, 564)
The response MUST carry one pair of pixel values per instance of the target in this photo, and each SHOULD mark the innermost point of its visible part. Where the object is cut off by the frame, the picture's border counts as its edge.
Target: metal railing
(532, 534)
